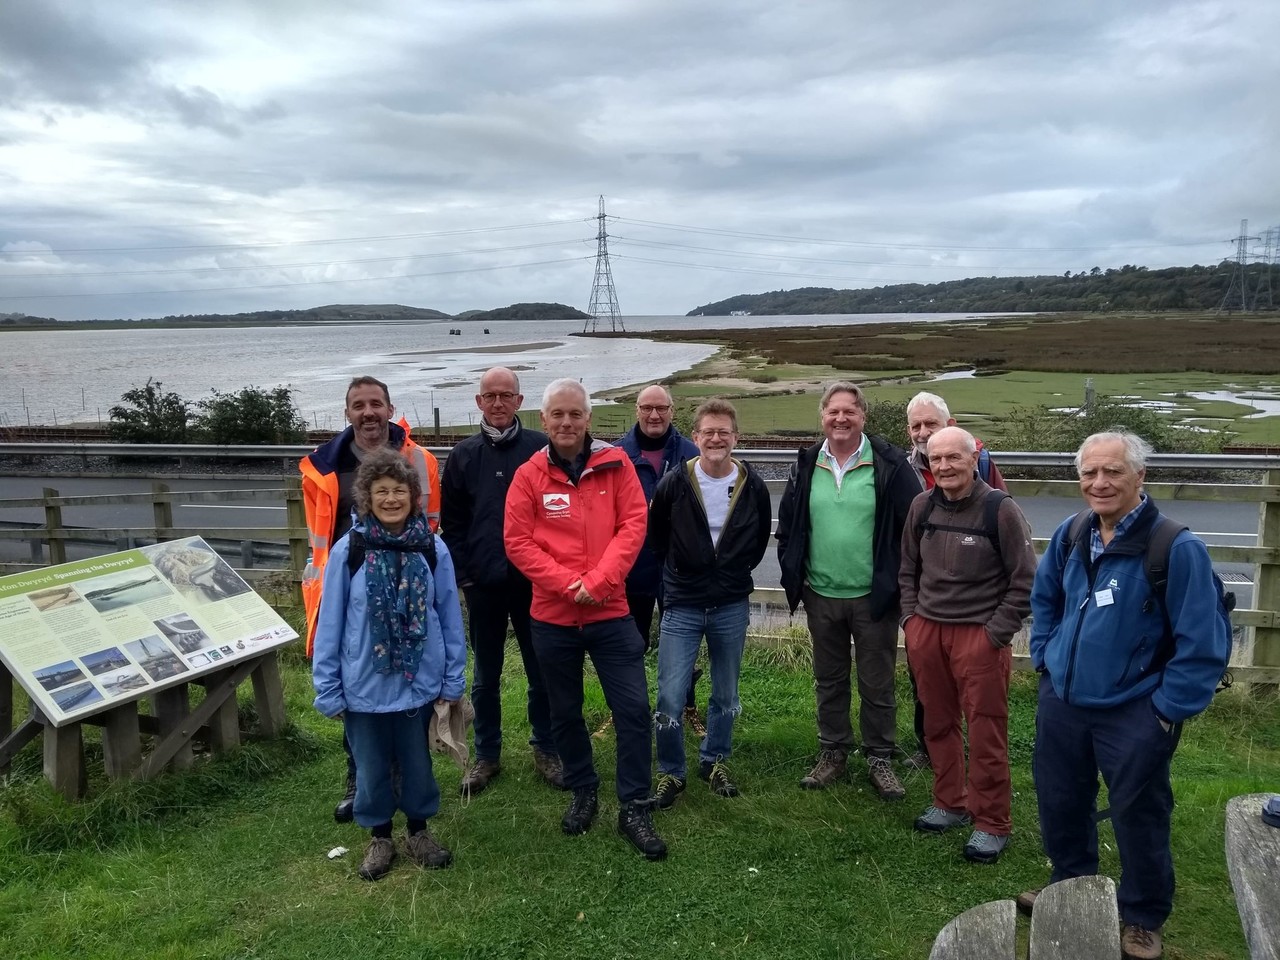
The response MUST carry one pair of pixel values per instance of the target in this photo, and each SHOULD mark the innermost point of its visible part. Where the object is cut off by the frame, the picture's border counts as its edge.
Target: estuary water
(76, 376)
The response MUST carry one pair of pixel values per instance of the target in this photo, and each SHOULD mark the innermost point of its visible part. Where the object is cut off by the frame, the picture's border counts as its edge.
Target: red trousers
(960, 674)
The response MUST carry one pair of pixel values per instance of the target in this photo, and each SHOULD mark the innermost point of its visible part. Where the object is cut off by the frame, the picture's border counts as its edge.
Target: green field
(229, 859)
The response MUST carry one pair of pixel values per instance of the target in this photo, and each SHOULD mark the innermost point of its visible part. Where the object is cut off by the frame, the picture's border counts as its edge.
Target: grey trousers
(832, 624)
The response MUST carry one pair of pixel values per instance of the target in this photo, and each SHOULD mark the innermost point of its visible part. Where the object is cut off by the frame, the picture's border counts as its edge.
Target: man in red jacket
(575, 521)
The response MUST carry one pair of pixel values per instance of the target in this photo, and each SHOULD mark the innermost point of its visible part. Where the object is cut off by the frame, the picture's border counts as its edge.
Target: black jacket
(896, 486)
(694, 571)
(473, 495)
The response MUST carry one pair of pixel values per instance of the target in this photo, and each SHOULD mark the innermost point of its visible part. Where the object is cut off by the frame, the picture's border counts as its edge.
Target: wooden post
(162, 510)
(268, 695)
(171, 710)
(224, 724)
(52, 522)
(985, 932)
(299, 541)
(1253, 861)
(121, 740)
(1266, 579)
(1076, 918)
(6, 701)
(64, 759)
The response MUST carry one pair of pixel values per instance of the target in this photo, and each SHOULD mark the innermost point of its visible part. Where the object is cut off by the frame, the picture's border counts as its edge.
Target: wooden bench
(1253, 860)
(1073, 920)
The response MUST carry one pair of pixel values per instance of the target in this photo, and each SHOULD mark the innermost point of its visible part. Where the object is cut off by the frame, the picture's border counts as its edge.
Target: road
(1227, 524)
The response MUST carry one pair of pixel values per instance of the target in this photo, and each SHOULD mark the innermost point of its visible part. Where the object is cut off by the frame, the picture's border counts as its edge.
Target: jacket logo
(555, 502)
(969, 538)
(1114, 582)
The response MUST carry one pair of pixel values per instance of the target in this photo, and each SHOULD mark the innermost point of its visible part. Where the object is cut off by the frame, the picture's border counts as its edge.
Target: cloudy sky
(170, 158)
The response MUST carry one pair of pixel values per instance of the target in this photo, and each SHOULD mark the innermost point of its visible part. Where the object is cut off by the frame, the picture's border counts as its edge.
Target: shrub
(252, 416)
(150, 414)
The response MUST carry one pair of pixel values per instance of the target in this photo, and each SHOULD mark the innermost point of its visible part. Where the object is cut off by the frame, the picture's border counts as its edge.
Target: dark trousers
(617, 653)
(380, 740)
(1132, 751)
(641, 607)
(489, 608)
(346, 747)
(919, 711)
(832, 623)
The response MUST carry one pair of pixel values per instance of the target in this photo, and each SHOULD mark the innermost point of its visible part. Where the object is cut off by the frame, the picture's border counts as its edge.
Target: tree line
(250, 416)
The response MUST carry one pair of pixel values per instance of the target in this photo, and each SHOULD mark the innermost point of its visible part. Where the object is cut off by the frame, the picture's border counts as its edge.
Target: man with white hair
(1125, 654)
(575, 520)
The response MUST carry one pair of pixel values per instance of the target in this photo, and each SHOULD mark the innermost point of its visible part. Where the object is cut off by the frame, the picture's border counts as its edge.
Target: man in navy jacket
(1115, 687)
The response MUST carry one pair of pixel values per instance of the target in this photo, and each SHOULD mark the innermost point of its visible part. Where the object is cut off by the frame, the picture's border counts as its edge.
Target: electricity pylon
(1229, 301)
(604, 298)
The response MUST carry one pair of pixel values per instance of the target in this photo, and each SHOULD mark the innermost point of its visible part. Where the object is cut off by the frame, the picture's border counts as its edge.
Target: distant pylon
(604, 299)
(1270, 257)
(1229, 301)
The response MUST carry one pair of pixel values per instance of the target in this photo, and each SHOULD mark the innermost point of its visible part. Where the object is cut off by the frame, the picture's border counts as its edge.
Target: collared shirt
(860, 457)
(1096, 546)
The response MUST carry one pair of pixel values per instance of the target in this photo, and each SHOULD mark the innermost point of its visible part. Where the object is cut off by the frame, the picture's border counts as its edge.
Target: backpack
(356, 548)
(1155, 564)
(984, 465)
(990, 520)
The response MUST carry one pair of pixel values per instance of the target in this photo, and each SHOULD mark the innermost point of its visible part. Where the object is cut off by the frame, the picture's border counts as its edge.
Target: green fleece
(841, 528)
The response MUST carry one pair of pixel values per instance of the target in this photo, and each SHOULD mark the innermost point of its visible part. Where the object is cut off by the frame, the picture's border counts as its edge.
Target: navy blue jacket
(646, 575)
(473, 493)
(1099, 654)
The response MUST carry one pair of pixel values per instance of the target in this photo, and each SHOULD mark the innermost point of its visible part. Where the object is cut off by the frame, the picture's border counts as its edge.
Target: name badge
(1104, 598)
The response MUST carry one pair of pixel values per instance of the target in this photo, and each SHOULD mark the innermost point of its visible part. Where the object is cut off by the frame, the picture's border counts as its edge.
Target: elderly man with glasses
(476, 477)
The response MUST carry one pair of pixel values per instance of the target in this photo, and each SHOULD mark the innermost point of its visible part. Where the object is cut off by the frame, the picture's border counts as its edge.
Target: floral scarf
(397, 583)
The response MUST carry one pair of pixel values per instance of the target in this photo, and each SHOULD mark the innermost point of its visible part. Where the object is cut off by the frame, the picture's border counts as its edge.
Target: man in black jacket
(474, 493)
(839, 544)
(709, 524)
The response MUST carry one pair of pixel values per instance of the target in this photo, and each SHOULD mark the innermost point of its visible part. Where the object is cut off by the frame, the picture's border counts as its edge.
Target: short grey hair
(842, 386)
(661, 386)
(515, 377)
(967, 438)
(563, 384)
(926, 399)
(389, 464)
(1136, 450)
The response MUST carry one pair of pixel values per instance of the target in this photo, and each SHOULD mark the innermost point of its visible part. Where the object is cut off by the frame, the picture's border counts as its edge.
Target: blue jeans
(377, 739)
(682, 630)
(617, 653)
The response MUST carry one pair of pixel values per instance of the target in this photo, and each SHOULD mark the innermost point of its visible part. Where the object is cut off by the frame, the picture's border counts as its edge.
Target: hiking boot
(636, 824)
(1026, 900)
(938, 820)
(426, 851)
(478, 776)
(884, 779)
(983, 847)
(694, 722)
(669, 787)
(549, 768)
(1139, 943)
(717, 775)
(582, 811)
(831, 766)
(378, 857)
(918, 761)
(345, 811)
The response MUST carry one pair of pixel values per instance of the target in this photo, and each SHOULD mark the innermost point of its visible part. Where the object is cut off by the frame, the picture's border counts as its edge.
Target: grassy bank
(229, 860)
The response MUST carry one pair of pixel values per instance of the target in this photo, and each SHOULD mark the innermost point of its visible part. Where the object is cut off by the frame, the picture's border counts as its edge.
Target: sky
(182, 158)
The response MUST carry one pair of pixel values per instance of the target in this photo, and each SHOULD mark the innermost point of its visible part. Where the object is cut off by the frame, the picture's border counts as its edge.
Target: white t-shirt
(716, 494)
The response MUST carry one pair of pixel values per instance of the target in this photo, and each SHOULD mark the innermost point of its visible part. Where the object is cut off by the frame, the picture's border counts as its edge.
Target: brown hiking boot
(884, 779)
(1139, 943)
(478, 777)
(1026, 900)
(694, 722)
(378, 857)
(549, 768)
(831, 766)
(426, 851)
(918, 761)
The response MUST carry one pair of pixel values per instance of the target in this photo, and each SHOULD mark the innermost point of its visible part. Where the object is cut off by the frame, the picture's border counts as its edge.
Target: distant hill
(527, 311)
(1126, 288)
(327, 314)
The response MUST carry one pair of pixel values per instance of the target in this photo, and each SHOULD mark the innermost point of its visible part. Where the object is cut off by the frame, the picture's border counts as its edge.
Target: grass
(229, 859)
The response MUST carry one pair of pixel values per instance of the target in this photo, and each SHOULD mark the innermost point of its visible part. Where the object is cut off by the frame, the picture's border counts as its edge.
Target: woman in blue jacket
(389, 645)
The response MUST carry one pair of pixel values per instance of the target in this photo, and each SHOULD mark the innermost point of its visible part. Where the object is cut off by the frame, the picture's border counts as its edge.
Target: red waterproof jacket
(557, 533)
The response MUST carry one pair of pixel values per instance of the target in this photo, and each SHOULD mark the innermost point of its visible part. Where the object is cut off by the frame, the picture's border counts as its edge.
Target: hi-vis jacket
(557, 533)
(320, 498)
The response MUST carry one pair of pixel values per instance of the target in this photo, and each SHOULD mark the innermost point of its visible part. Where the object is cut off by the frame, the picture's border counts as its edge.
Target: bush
(150, 414)
(252, 416)
(1041, 429)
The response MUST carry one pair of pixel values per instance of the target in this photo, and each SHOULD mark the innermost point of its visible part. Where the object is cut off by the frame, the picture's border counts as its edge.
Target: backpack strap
(990, 519)
(356, 548)
(1155, 564)
(984, 465)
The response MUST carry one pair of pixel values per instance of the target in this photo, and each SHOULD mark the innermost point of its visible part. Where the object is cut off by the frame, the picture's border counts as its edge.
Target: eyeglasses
(717, 434)
(649, 408)
(506, 396)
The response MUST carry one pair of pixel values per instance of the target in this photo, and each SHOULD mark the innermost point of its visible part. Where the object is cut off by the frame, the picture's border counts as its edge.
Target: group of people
(576, 542)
